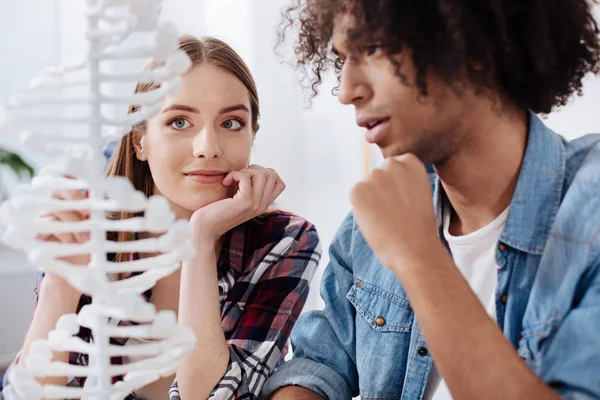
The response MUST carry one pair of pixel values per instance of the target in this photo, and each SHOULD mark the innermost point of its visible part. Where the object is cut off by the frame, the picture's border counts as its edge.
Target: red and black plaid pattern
(264, 270)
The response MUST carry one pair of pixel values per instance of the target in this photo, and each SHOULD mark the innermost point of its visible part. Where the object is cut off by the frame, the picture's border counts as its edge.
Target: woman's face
(202, 133)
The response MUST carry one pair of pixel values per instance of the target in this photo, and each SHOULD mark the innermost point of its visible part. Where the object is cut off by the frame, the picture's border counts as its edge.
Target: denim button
(380, 321)
(502, 247)
(503, 299)
(422, 351)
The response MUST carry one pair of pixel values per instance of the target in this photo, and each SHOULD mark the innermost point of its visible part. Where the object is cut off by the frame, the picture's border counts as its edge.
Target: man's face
(396, 117)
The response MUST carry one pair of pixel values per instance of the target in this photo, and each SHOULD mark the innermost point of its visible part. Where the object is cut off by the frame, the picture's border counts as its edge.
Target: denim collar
(538, 192)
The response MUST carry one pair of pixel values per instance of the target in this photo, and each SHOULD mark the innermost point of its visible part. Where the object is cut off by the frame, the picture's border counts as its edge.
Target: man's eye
(372, 49)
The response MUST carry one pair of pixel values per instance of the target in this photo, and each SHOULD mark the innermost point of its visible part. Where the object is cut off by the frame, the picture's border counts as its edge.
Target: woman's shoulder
(273, 235)
(276, 226)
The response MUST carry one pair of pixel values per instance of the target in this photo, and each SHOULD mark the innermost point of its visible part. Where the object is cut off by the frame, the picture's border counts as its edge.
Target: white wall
(28, 41)
(581, 115)
(319, 152)
(16, 301)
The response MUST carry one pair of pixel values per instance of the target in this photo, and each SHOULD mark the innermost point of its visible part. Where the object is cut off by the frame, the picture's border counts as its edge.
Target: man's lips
(377, 127)
(371, 122)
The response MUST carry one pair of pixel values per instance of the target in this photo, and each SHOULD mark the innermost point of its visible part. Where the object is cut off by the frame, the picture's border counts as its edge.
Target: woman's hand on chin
(257, 188)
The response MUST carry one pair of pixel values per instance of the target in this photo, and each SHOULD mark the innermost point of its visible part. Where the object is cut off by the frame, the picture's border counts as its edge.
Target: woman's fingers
(269, 192)
(48, 237)
(68, 216)
(73, 195)
(257, 185)
(274, 186)
(267, 197)
(243, 180)
(279, 188)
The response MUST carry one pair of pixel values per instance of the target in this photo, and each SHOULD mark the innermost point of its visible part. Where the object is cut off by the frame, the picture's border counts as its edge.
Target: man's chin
(388, 151)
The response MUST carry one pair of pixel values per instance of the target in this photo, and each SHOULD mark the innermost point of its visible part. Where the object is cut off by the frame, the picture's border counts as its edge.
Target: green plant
(15, 163)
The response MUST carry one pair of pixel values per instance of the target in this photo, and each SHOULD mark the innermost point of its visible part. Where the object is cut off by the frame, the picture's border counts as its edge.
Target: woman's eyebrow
(181, 107)
(234, 108)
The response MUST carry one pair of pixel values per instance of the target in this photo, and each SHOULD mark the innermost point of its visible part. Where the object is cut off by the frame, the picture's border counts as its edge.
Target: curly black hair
(534, 53)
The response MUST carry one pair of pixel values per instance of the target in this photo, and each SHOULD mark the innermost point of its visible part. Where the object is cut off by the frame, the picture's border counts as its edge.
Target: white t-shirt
(475, 256)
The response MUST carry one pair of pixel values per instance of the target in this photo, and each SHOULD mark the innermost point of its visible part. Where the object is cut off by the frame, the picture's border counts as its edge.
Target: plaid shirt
(264, 271)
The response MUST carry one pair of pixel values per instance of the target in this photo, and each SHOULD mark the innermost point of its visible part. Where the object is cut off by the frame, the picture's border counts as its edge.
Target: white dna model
(37, 114)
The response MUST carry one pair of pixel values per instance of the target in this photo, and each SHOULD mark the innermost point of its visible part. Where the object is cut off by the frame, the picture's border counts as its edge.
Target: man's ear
(138, 145)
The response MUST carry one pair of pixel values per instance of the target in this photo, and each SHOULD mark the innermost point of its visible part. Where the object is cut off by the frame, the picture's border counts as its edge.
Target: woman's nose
(206, 145)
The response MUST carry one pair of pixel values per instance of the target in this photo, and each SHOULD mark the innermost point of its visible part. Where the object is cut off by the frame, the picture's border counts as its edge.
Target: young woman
(248, 282)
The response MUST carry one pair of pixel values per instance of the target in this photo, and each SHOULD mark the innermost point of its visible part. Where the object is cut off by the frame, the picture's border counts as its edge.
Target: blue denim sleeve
(324, 358)
(5, 380)
(108, 152)
(571, 360)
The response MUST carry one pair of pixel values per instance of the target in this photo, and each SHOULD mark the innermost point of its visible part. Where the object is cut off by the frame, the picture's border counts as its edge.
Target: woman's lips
(206, 177)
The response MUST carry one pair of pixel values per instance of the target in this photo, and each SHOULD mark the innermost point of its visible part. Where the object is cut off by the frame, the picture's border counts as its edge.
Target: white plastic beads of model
(38, 115)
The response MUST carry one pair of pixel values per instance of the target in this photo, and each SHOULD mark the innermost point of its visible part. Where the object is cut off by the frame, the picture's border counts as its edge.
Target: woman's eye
(179, 124)
(233, 124)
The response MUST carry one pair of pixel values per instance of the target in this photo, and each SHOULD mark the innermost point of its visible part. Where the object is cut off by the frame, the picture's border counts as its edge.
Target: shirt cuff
(311, 375)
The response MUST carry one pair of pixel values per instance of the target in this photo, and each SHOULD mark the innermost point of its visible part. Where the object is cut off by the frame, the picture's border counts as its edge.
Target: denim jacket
(367, 340)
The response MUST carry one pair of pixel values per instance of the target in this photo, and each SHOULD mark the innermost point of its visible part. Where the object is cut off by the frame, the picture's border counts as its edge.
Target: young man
(493, 290)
